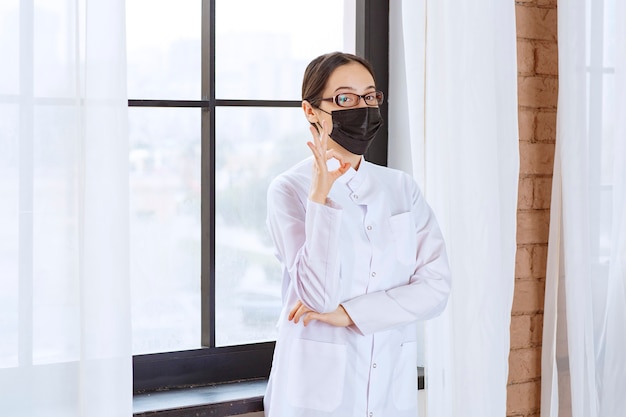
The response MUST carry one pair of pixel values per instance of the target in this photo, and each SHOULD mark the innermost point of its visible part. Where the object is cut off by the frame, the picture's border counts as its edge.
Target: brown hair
(319, 70)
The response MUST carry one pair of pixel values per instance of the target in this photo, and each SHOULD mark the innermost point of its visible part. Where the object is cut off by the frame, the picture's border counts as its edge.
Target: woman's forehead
(351, 76)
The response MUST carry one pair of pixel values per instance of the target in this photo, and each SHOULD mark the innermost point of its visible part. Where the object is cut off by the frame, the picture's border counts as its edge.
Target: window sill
(229, 399)
(220, 400)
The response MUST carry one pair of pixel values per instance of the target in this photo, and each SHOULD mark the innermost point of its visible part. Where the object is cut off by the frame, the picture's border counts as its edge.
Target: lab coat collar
(352, 178)
(357, 182)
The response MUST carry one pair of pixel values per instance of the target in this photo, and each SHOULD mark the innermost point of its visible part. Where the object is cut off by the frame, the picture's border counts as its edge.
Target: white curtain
(584, 340)
(453, 120)
(65, 342)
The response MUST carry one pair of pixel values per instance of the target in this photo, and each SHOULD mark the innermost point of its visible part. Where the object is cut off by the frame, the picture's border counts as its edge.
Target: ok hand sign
(323, 179)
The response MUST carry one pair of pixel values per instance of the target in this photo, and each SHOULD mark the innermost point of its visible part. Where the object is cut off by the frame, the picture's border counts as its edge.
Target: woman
(362, 256)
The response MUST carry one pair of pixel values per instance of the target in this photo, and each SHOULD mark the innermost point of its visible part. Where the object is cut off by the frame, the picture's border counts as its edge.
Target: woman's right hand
(323, 179)
(337, 318)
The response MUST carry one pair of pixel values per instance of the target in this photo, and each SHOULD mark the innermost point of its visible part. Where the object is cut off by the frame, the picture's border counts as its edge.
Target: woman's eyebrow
(354, 89)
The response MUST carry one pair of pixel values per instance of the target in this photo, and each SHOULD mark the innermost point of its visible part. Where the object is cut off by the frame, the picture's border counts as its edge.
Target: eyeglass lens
(351, 99)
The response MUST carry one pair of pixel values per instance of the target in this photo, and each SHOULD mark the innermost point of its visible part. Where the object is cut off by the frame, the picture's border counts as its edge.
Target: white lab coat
(376, 248)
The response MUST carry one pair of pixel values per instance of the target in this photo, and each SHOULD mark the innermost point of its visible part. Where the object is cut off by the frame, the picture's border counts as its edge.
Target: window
(601, 93)
(214, 115)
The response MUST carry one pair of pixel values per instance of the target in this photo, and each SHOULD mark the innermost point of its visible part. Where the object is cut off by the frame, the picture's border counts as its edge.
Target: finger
(344, 167)
(317, 133)
(313, 150)
(324, 136)
(332, 153)
(293, 311)
(319, 161)
(320, 156)
(316, 145)
(303, 310)
(312, 316)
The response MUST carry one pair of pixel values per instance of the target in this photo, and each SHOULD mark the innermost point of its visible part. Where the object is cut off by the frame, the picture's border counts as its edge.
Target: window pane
(55, 48)
(609, 38)
(605, 166)
(9, 233)
(9, 46)
(165, 228)
(253, 146)
(607, 135)
(56, 313)
(262, 53)
(163, 45)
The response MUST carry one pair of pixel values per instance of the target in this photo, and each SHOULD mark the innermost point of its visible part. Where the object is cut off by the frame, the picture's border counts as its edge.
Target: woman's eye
(370, 98)
(343, 99)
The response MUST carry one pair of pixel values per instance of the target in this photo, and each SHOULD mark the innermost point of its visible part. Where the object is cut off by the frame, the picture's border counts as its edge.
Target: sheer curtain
(453, 93)
(583, 363)
(65, 342)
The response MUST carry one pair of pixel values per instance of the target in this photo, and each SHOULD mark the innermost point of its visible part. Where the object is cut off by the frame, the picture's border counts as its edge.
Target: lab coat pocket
(405, 377)
(404, 237)
(316, 374)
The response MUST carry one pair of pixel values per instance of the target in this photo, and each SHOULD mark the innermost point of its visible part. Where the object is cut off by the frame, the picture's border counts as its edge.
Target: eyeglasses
(351, 100)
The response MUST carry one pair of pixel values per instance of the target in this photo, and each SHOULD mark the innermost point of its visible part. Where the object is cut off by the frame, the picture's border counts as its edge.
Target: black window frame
(211, 364)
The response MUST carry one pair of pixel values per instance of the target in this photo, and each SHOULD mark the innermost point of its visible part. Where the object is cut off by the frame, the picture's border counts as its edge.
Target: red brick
(539, 261)
(537, 91)
(528, 297)
(536, 23)
(536, 158)
(552, 3)
(536, 330)
(542, 192)
(533, 226)
(525, 57)
(545, 126)
(521, 335)
(524, 364)
(537, 59)
(546, 58)
(523, 262)
(525, 193)
(524, 398)
(526, 124)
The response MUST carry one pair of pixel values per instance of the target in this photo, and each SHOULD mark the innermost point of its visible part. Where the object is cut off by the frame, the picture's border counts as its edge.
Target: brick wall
(537, 91)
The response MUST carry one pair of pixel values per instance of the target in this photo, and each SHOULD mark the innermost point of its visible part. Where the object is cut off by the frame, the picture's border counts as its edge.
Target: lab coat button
(374, 366)
(371, 414)
(355, 196)
(369, 227)
(373, 274)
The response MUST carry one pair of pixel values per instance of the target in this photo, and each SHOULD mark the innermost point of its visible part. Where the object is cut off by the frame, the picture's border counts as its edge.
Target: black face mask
(355, 129)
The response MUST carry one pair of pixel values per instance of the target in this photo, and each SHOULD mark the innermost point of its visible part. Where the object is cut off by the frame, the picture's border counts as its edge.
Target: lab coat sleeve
(306, 238)
(426, 294)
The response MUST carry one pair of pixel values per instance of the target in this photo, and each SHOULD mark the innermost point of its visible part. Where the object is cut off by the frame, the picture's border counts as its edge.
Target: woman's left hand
(337, 318)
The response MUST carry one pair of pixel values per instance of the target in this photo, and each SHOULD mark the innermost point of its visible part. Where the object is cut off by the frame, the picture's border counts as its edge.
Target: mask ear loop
(320, 126)
(317, 125)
